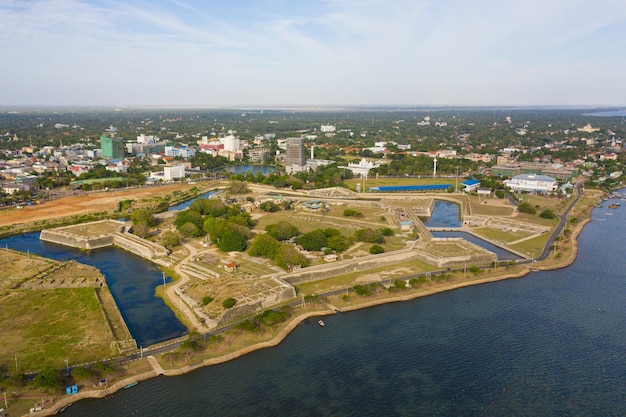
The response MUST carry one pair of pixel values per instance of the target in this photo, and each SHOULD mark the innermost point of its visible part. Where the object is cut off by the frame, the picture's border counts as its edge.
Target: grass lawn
(47, 326)
(501, 235)
(554, 204)
(489, 209)
(532, 247)
(348, 280)
(534, 218)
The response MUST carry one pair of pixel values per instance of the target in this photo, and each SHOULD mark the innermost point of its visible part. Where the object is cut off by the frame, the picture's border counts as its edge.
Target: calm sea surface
(549, 344)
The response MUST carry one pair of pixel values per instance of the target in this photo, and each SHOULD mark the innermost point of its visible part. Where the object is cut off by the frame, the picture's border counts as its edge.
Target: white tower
(313, 151)
(435, 167)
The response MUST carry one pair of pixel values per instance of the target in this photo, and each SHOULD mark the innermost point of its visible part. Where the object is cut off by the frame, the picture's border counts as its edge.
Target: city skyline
(319, 53)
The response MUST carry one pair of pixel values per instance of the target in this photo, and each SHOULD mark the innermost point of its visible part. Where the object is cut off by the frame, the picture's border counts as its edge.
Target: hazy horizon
(282, 54)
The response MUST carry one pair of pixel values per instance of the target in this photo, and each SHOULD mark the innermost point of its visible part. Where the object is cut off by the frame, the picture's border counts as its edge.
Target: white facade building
(362, 168)
(328, 128)
(170, 173)
(231, 143)
(538, 184)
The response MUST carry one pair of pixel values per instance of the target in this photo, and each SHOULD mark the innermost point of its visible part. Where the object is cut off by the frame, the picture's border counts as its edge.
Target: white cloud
(323, 52)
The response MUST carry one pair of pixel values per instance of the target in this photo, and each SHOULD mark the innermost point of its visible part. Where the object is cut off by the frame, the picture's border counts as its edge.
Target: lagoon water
(445, 214)
(551, 343)
(131, 279)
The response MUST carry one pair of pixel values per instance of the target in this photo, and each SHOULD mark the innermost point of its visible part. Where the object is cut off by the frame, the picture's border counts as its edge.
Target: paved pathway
(170, 292)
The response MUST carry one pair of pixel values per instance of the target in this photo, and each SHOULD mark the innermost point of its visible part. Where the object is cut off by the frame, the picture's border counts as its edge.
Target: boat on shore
(321, 323)
(131, 385)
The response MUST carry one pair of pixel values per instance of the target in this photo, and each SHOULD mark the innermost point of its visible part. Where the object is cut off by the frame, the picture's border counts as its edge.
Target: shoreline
(295, 321)
(298, 319)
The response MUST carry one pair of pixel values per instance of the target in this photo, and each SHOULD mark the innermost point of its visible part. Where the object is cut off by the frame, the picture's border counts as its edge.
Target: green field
(499, 235)
(42, 327)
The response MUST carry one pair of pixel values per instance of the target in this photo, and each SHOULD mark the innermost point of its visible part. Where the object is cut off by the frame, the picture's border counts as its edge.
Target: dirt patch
(81, 204)
(381, 276)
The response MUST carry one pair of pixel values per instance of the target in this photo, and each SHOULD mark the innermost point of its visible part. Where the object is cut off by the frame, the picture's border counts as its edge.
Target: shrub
(352, 213)
(547, 214)
(229, 302)
(375, 249)
(526, 208)
(206, 300)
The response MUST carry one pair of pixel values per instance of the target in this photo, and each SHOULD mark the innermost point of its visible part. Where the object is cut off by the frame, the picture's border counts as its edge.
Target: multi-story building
(258, 154)
(231, 143)
(295, 158)
(536, 184)
(170, 173)
(112, 147)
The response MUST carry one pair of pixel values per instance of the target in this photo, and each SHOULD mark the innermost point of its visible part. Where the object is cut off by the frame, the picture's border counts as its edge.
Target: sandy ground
(68, 206)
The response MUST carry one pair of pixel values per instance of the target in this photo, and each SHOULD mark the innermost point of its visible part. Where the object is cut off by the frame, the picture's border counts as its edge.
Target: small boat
(130, 385)
(321, 323)
(613, 206)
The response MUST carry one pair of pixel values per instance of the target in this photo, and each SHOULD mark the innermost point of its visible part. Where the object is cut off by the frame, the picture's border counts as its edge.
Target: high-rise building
(294, 154)
(112, 147)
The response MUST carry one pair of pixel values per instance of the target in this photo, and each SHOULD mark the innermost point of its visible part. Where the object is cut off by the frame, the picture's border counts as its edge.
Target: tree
(313, 241)
(189, 216)
(547, 214)
(282, 230)
(369, 235)
(269, 206)
(170, 239)
(232, 240)
(375, 249)
(142, 216)
(352, 213)
(526, 207)
(48, 377)
(265, 246)
(229, 302)
(206, 300)
(339, 243)
(289, 257)
(141, 229)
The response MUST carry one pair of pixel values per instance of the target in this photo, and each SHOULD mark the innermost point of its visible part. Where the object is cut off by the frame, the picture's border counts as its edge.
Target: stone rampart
(317, 272)
(287, 292)
(70, 236)
(62, 237)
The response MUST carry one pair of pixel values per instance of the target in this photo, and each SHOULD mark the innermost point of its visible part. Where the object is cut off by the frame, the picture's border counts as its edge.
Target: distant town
(44, 150)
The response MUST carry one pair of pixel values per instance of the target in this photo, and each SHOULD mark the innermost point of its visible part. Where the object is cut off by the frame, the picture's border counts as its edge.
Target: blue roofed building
(470, 185)
(409, 188)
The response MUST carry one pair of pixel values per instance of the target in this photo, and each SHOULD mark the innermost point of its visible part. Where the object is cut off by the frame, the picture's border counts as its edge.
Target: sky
(281, 53)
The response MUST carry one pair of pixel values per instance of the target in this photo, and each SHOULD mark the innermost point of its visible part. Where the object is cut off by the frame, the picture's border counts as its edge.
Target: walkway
(171, 292)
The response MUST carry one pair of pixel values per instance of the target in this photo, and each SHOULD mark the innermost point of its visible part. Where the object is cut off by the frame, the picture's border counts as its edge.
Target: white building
(231, 143)
(170, 173)
(362, 168)
(328, 128)
(537, 184)
(147, 140)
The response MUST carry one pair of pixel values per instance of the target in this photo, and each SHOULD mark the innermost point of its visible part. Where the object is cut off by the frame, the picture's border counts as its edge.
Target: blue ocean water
(549, 344)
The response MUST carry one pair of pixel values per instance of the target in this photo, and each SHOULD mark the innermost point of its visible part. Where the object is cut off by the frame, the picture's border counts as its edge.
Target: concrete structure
(231, 143)
(295, 158)
(362, 168)
(112, 232)
(511, 169)
(536, 184)
(174, 172)
(259, 154)
(112, 147)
